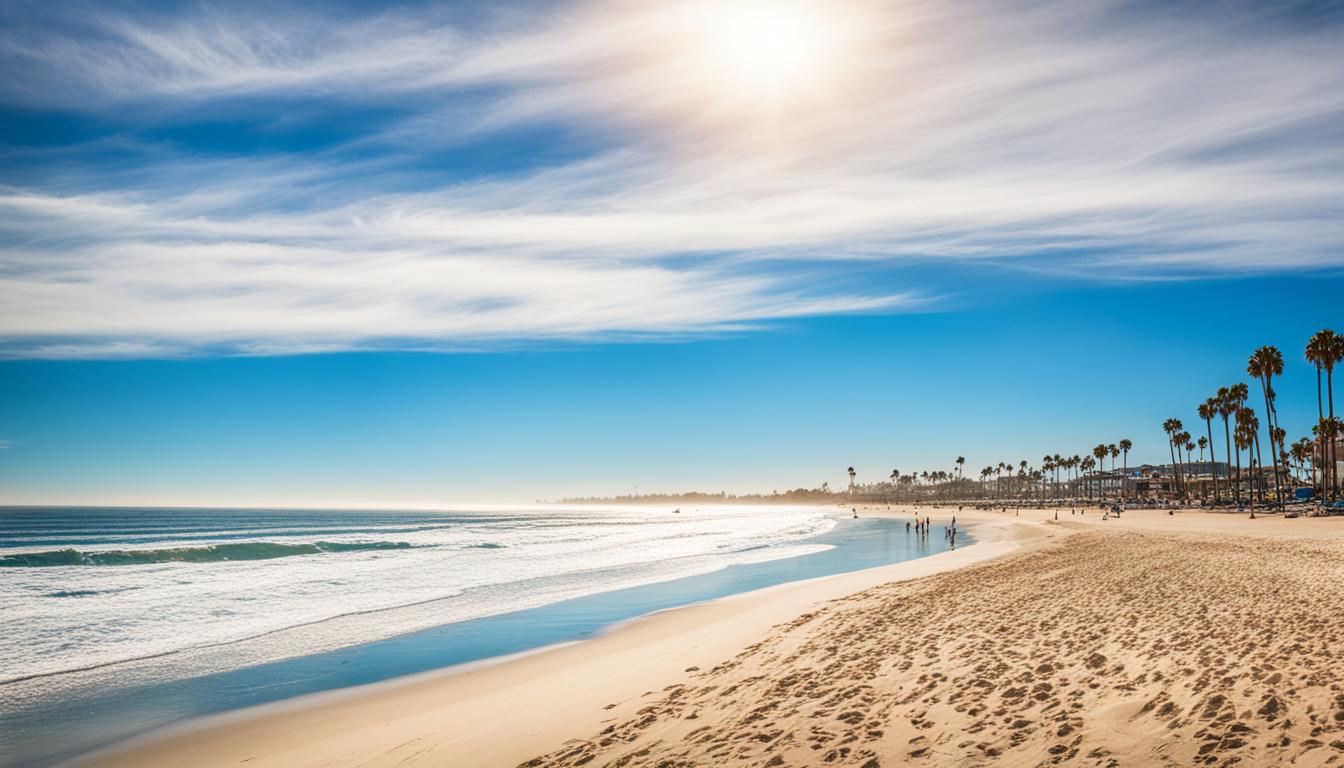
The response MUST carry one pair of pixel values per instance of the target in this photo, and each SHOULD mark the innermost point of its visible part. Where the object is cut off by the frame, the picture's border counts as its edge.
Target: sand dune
(1134, 644)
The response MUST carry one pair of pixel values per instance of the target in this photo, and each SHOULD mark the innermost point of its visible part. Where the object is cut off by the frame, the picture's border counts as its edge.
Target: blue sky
(450, 252)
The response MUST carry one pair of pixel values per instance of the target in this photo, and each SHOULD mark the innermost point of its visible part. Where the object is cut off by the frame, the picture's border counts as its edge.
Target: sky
(438, 253)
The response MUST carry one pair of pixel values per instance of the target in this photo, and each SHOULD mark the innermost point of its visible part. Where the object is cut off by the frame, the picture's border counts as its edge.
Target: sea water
(124, 620)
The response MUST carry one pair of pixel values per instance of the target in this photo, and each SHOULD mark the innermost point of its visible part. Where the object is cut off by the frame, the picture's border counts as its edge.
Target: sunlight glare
(768, 50)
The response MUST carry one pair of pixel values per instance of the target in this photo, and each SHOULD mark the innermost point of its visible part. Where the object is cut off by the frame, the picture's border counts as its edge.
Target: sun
(767, 50)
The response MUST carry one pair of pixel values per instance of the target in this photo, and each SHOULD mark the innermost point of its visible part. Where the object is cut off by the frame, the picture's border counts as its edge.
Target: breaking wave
(250, 550)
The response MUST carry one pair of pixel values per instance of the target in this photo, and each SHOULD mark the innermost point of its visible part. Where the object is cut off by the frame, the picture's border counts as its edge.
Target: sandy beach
(1150, 640)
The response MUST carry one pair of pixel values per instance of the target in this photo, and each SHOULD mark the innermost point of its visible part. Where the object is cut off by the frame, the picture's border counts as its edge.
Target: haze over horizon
(448, 253)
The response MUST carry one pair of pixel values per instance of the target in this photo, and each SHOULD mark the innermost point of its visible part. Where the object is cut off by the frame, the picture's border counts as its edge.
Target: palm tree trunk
(1213, 461)
(1333, 465)
(1184, 459)
(1258, 477)
(1273, 452)
(1124, 481)
(1227, 449)
(1238, 480)
(1175, 474)
(1320, 415)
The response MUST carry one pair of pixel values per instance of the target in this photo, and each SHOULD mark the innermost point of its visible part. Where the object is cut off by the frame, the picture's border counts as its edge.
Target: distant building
(1190, 469)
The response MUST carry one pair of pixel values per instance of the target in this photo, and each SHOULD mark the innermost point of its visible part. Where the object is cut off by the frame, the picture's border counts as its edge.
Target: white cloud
(1083, 137)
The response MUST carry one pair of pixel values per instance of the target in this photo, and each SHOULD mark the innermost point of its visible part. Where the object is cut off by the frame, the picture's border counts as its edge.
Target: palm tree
(1239, 394)
(1326, 433)
(1183, 444)
(961, 462)
(1250, 423)
(1245, 437)
(1189, 449)
(1265, 363)
(1318, 354)
(1125, 445)
(1172, 427)
(1100, 452)
(1226, 409)
(1325, 350)
(1207, 410)
(1301, 452)
(851, 479)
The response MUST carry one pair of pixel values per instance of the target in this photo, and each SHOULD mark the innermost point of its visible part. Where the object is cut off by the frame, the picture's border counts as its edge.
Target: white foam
(201, 617)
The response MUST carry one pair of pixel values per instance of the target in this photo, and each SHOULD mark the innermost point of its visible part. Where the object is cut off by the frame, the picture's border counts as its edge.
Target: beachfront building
(1196, 478)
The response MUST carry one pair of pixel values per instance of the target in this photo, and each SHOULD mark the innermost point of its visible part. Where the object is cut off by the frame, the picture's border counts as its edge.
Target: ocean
(125, 620)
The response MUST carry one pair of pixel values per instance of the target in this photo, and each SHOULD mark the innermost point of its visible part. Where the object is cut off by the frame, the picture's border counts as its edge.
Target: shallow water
(125, 699)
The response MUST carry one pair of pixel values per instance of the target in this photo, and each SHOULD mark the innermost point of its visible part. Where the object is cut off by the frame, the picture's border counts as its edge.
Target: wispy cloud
(1091, 139)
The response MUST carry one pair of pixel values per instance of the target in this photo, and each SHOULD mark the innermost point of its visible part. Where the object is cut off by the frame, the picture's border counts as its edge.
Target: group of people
(923, 524)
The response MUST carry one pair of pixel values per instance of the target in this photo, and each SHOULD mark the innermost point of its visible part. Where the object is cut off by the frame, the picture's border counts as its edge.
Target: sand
(1148, 641)
(1152, 640)
(506, 713)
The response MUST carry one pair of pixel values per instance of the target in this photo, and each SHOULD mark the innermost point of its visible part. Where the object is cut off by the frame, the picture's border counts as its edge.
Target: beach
(548, 577)
(473, 713)
(1154, 639)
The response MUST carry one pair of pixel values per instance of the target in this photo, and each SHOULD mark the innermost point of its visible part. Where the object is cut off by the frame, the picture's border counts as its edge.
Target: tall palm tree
(1125, 445)
(1100, 452)
(1226, 409)
(1207, 410)
(1189, 449)
(1265, 363)
(1318, 353)
(1327, 431)
(1245, 435)
(1183, 455)
(1240, 393)
(961, 463)
(1336, 357)
(1250, 423)
(851, 479)
(1172, 427)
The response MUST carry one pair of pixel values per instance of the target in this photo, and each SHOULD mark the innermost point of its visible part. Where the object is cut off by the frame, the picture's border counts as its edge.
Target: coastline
(471, 712)
(1187, 639)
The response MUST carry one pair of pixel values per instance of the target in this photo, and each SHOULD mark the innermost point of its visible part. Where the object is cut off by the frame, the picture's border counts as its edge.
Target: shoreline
(471, 709)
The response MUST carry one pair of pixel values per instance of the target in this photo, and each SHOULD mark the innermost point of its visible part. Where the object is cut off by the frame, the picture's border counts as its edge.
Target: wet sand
(506, 713)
